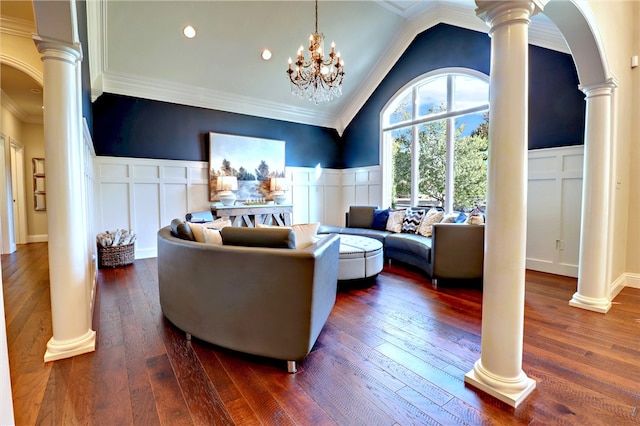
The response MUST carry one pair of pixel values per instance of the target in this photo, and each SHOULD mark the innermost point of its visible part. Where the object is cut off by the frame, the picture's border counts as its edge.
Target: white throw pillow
(197, 229)
(475, 220)
(305, 232)
(426, 226)
(212, 236)
(394, 223)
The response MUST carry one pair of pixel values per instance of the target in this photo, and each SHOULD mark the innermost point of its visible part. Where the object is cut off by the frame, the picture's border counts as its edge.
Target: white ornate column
(70, 306)
(499, 370)
(593, 292)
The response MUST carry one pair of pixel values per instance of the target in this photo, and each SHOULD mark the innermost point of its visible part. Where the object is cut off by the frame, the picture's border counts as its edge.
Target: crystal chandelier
(318, 79)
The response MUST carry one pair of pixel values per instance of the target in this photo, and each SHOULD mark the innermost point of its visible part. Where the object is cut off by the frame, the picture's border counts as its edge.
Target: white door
(6, 208)
(17, 189)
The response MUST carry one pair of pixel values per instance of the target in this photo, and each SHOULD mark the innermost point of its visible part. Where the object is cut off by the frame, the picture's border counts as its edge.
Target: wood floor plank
(393, 352)
(172, 407)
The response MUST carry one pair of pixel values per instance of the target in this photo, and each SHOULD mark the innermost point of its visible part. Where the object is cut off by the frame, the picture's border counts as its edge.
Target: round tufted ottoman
(360, 257)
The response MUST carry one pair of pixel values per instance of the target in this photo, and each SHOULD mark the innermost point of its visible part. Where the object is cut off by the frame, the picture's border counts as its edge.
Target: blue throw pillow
(462, 218)
(380, 219)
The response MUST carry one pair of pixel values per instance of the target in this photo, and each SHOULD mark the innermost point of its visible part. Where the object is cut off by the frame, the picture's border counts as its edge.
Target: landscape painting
(253, 161)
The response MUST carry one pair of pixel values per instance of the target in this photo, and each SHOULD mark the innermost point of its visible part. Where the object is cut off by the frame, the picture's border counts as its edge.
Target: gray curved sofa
(271, 302)
(455, 251)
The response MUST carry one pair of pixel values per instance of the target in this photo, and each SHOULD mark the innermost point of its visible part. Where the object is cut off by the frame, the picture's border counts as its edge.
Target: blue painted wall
(556, 106)
(132, 127)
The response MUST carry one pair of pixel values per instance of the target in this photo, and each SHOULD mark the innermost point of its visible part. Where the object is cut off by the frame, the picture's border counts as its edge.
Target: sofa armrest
(457, 251)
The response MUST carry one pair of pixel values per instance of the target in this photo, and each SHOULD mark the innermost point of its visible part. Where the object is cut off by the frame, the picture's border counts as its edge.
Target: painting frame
(253, 160)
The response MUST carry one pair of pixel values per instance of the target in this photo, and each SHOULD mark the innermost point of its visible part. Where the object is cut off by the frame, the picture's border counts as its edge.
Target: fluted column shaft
(499, 370)
(70, 306)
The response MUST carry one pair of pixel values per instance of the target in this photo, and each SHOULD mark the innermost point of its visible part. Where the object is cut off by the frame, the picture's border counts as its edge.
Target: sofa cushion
(181, 230)
(411, 220)
(413, 243)
(276, 237)
(432, 216)
(360, 216)
(394, 223)
(305, 232)
(380, 218)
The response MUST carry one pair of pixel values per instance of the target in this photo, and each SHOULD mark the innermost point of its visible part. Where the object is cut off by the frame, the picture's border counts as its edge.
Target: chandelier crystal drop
(319, 79)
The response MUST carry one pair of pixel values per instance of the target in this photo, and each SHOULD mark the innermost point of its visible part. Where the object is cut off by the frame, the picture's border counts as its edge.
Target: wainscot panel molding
(146, 194)
(554, 209)
(361, 186)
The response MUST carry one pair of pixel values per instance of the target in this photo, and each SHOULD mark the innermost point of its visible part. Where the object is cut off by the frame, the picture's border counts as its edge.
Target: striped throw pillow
(411, 221)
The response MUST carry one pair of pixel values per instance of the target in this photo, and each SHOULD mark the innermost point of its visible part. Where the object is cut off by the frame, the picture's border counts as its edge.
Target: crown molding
(11, 106)
(167, 91)
(17, 27)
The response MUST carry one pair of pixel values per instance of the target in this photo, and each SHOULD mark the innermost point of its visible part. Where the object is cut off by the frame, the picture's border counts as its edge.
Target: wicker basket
(112, 256)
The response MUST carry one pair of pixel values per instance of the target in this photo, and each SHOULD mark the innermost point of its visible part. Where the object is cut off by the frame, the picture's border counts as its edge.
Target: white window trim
(385, 146)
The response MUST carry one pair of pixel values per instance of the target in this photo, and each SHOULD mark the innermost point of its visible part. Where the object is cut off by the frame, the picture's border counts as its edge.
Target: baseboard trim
(146, 253)
(633, 280)
(618, 285)
(42, 238)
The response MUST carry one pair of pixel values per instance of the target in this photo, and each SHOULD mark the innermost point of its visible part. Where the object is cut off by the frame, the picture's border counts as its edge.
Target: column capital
(602, 88)
(58, 50)
(498, 13)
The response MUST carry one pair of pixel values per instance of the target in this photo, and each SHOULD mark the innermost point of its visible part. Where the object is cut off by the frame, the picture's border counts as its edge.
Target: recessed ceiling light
(266, 54)
(189, 31)
(35, 91)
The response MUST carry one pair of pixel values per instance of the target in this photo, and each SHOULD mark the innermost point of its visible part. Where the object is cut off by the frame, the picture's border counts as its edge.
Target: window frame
(450, 116)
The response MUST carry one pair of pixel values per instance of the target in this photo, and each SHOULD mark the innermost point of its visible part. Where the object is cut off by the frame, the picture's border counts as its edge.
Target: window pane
(469, 92)
(470, 162)
(432, 96)
(401, 166)
(401, 111)
(433, 157)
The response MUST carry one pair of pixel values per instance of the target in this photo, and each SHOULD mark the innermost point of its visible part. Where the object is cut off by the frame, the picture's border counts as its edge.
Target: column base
(510, 391)
(66, 349)
(601, 305)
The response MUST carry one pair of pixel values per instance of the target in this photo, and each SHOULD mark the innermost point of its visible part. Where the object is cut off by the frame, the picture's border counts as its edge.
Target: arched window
(434, 141)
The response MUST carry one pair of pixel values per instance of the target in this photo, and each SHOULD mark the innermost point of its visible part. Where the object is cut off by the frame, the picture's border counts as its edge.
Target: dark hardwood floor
(392, 353)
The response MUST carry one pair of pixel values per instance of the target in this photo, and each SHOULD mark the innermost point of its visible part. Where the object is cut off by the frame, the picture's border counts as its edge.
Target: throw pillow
(380, 218)
(475, 217)
(411, 221)
(394, 222)
(426, 226)
(462, 218)
(198, 228)
(449, 218)
(181, 230)
(212, 236)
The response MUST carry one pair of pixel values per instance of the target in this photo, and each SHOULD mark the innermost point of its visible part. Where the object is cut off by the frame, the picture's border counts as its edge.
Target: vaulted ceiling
(137, 48)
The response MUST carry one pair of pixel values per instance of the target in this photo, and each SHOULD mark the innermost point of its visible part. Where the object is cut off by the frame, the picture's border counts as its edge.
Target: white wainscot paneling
(146, 215)
(114, 206)
(146, 194)
(554, 209)
(175, 198)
